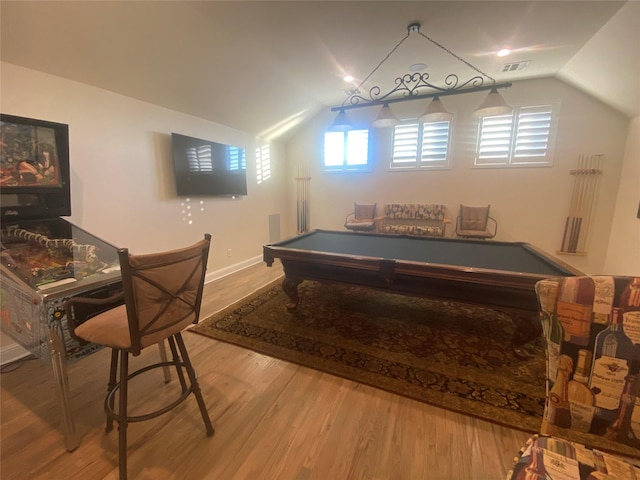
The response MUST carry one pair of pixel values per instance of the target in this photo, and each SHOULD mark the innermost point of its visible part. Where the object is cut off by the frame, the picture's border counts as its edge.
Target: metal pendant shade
(342, 123)
(436, 112)
(386, 118)
(493, 105)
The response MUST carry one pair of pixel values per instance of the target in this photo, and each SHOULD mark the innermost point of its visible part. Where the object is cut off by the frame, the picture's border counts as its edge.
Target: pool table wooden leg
(528, 328)
(290, 287)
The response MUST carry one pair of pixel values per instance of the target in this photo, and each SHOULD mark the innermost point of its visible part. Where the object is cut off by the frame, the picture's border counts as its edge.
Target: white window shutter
(435, 143)
(405, 144)
(534, 128)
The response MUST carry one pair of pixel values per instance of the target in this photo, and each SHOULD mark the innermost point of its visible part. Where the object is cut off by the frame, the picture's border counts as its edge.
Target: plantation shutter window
(495, 139)
(405, 145)
(520, 139)
(420, 145)
(263, 163)
(435, 143)
(534, 128)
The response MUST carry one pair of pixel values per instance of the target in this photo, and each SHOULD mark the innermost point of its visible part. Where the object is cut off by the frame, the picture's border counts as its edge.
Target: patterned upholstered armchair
(362, 219)
(591, 422)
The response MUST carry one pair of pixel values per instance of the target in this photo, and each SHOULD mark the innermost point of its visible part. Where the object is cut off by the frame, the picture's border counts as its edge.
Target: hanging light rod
(414, 96)
(412, 86)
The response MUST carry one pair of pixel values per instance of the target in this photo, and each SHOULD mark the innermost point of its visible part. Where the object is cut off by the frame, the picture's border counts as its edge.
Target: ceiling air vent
(515, 67)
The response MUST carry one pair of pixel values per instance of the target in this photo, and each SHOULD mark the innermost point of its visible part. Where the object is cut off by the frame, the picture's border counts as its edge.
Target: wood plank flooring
(273, 420)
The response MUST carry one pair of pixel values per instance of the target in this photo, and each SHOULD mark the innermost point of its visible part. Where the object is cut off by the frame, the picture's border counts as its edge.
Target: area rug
(451, 355)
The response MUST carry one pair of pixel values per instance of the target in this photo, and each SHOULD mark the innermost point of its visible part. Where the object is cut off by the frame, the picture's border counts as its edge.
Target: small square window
(346, 151)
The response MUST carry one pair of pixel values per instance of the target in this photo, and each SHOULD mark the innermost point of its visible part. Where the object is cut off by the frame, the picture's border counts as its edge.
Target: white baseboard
(223, 272)
(12, 352)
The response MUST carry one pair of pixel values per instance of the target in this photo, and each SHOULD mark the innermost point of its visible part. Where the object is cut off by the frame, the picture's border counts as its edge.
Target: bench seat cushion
(427, 230)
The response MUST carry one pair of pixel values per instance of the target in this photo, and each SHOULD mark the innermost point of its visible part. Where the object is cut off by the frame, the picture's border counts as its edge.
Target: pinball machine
(45, 259)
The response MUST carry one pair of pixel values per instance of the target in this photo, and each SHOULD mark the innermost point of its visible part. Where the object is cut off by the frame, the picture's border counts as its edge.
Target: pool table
(500, 275)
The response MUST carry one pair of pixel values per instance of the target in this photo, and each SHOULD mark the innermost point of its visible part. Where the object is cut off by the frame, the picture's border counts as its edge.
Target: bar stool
(162, 296)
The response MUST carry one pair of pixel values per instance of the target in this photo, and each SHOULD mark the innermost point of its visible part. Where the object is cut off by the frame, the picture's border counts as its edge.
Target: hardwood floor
(273, 420)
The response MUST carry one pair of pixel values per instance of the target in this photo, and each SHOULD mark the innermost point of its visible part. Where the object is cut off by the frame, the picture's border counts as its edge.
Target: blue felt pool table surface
(477, 254)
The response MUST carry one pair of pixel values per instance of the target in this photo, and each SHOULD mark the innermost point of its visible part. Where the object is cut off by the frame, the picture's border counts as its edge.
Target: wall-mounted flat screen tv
(34, 168)
(203, 167)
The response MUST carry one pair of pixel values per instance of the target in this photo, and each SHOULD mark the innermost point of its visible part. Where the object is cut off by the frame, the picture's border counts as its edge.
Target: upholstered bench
(413, 219)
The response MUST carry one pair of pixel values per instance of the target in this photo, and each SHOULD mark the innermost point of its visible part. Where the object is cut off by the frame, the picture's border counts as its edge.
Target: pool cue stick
(298, 201)
(564, 234)
(302, 204)
(308, 218)
(574, 214)
(585, 200)
(595, 164)
(579, 203)
(303, 184)
(569, 223)
(596, 183)
(578, 213)
(308, 197)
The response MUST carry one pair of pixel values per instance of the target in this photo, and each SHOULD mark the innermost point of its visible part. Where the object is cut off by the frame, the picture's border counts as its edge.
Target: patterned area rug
(447, 354)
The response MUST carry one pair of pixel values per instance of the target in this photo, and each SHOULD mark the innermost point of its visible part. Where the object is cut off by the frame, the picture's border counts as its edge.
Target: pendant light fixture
(386, 118)
(436, 112)
(416, 86)
(493, 105)
(342, 123)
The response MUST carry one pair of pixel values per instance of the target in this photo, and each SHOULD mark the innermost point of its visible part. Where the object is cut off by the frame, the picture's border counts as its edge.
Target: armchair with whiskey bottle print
(591, 424)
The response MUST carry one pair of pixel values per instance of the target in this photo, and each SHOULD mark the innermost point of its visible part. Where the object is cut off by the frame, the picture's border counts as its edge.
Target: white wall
(122, 185)
(530, 204)
(623, 255)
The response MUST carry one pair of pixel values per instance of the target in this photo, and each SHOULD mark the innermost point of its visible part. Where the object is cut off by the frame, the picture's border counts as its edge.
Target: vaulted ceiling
(265, 67)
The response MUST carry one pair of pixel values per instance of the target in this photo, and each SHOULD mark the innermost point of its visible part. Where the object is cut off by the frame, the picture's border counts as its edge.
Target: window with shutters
(263, 163)
(420, 145)
(346, 151)
(523, 138)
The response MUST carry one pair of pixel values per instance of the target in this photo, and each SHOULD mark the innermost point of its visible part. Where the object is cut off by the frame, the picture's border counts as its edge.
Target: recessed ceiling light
(504, 52)
(348, 78)
(416, 67)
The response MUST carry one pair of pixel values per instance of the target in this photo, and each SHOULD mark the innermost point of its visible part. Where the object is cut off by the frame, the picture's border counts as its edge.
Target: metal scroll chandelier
(416, 86)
